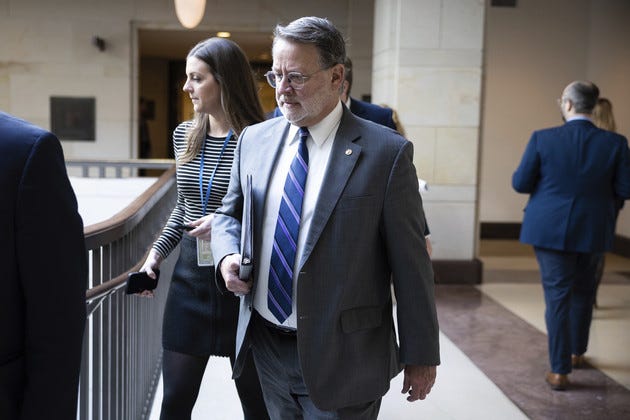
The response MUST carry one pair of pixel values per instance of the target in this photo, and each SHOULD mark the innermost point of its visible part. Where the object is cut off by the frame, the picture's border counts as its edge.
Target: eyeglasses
(296, 80)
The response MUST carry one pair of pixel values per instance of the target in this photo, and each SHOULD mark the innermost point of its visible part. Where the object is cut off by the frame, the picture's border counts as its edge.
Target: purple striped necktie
(279, 297)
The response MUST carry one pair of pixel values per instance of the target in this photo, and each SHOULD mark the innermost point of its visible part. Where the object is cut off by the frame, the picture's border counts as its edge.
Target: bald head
(582, 96)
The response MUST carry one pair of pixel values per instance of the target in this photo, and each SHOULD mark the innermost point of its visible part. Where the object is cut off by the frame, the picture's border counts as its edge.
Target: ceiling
(175, 44)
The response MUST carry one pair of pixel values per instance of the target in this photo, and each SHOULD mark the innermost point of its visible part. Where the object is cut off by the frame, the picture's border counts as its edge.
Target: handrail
(105, 288)
(122, 222)
(121, 359)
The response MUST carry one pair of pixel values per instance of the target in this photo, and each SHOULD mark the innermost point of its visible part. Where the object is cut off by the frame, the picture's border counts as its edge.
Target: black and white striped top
(189, 205)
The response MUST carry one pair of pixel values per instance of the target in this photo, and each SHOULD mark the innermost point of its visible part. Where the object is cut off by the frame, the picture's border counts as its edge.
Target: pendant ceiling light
(190, 12)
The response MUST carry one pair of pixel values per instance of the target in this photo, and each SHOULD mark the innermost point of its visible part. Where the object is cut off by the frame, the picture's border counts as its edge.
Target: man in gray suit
(325, 343)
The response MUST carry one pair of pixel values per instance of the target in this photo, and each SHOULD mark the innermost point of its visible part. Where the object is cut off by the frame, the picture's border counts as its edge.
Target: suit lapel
(343, 158)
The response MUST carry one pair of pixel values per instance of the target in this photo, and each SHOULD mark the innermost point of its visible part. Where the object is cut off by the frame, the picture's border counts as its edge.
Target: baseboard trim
(458, 271)
(621, 246)
(510, 230)
(500, 230)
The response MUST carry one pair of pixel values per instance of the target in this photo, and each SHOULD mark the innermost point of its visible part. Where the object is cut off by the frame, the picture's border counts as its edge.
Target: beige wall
(609, 66)
(428, 66)
(531, 53)
(46, 50)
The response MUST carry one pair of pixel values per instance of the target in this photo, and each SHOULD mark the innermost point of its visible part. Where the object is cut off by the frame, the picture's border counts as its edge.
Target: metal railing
(116, 168)
(122, 349)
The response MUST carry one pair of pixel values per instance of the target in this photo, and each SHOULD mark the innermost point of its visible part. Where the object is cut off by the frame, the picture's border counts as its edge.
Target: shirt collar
(579, 117)
(321, 131)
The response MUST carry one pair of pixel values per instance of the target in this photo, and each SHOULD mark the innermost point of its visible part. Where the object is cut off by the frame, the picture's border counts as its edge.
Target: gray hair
(583, 95)
(319, 32)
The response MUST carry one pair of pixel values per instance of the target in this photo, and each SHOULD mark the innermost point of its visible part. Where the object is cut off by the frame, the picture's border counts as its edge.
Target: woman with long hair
(603, 115)
(199, 321)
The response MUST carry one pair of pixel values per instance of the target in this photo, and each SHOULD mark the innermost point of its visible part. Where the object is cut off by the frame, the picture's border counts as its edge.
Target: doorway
(161, 76)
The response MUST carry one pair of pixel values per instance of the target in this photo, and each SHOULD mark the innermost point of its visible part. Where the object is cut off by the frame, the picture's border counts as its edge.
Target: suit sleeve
(52, 262)
(526, 176)
(226, 225)
(412, 273)
(622, 175)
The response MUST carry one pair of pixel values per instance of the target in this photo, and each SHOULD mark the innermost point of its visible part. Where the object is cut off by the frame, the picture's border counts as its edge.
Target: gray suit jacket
(367, 230)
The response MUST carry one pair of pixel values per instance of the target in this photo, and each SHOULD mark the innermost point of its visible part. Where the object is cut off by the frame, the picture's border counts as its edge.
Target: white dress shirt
(319, 144)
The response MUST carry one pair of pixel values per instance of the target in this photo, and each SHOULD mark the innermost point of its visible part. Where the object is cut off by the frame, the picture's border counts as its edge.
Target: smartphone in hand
(140, 281)
(181, 226)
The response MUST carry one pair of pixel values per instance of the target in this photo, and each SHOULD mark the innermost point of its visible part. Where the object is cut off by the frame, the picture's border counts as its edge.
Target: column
(427, 65)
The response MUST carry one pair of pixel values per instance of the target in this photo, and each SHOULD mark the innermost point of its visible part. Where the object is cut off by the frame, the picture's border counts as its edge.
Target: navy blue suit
(378, 114)
(574, 174)
(43, 277)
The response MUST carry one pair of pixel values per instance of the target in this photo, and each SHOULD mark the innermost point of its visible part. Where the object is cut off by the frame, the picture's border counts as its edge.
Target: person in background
(574, 174)
(396, 119)
(43, 276)
(383, 115)
(144, 133)
(603, 118)
(603, 115)
(337, 216)
(378, 114)
(199, 321)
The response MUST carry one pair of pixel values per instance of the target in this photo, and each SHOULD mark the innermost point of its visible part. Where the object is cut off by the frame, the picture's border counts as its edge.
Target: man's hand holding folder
(247, 233)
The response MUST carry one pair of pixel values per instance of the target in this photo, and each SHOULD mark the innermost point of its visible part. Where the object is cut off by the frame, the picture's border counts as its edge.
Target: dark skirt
(198, 319)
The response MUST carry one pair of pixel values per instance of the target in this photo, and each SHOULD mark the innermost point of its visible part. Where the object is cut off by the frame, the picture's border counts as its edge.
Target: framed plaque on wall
(73, 118)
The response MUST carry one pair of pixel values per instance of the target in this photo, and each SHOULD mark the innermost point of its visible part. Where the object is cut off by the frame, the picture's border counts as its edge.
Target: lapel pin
(348, 152)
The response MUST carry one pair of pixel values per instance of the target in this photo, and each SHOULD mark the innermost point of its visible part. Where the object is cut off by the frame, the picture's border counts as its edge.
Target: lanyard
(206, 197)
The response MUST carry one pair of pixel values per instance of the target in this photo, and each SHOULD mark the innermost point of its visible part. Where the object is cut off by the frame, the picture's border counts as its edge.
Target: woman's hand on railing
(203, 227)
(151, 264)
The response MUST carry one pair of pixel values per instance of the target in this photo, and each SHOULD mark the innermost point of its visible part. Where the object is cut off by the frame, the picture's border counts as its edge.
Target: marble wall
(427, 64)
(531, 53)
(46, 50)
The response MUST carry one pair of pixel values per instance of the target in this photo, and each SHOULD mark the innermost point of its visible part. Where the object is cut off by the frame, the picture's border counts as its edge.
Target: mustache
(285, 98)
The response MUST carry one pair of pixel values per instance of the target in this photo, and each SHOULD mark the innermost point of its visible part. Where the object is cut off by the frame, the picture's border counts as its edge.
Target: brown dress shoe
(577, 361)
(557, 381)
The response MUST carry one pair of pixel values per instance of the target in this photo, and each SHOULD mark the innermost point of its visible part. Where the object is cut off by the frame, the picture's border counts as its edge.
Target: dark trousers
(569, 282)
(286, 397)
(182, 378)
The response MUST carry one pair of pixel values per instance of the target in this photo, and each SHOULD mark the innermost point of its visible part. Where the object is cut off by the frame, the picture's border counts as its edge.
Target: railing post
(122, 348)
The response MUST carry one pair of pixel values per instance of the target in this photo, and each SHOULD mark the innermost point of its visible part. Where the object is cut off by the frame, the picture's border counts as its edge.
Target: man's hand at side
(418, 381)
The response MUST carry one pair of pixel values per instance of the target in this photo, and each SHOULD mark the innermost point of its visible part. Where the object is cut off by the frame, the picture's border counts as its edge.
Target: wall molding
(500, 230)
(511, 230)
(621, 246)
(458, 271)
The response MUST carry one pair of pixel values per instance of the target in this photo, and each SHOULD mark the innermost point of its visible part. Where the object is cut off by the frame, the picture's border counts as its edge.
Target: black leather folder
(247, 233)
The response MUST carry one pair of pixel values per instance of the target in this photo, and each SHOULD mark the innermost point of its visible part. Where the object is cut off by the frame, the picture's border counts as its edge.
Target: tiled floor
(493, 343)
(457, 376)
(494, 354)
(521, 293)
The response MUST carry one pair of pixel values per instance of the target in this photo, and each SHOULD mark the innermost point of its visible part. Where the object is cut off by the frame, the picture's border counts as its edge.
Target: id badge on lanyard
(204, 252)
